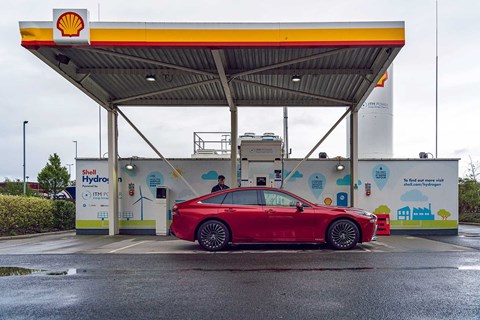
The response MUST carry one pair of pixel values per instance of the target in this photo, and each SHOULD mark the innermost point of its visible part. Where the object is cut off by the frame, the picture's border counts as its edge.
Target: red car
(266, 215)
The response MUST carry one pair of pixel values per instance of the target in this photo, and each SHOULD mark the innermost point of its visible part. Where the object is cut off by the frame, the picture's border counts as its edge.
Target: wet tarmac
(130, 277)
(69, 243)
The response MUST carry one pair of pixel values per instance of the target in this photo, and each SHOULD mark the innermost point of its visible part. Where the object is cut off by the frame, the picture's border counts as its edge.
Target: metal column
(219, 58)
(233, 147)
(354, 158)
(113, 227)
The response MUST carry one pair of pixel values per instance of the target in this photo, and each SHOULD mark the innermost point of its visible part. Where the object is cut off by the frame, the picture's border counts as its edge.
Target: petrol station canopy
(221, 64)
(215, 64)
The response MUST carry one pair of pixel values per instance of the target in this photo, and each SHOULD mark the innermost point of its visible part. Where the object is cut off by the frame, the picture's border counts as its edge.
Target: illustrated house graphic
(403, 213)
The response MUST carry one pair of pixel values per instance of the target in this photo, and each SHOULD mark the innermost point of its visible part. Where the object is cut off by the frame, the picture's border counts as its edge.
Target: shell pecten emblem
(383, 79)
(70, 24)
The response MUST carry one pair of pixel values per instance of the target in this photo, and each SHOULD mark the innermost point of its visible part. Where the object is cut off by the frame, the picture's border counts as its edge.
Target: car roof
(250, 188)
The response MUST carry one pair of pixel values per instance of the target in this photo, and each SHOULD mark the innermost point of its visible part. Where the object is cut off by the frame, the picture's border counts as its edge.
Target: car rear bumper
(182, 228)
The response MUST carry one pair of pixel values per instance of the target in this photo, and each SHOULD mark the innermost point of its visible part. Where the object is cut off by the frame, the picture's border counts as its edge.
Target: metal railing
(215, 143)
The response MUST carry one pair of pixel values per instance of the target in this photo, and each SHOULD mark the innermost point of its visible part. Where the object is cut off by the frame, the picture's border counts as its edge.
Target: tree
(53, 178)
(444, 214)
(468, 195)
(473, 170)
(469, 189)
(382, 209)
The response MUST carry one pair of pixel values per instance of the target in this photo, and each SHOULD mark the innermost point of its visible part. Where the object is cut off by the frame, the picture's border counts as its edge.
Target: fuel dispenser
(162, 208)
(261, 160)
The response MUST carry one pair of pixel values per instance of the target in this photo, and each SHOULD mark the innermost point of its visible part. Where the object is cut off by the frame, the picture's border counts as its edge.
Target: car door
(243, 213)
(284, 221)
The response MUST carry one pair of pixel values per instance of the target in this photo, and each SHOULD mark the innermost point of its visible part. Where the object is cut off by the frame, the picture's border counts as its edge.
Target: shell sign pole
(71, 26)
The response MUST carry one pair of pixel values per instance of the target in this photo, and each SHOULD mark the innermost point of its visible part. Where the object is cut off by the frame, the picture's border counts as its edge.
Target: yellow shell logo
(381, 82)
(70, 24)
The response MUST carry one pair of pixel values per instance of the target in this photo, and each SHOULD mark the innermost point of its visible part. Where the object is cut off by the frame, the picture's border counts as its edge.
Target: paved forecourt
(69, 243)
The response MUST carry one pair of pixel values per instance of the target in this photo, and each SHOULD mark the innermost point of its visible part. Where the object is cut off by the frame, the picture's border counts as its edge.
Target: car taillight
(175, 210)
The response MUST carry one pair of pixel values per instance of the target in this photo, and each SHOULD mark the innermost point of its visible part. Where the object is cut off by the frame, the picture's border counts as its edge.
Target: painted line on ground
(126, 247)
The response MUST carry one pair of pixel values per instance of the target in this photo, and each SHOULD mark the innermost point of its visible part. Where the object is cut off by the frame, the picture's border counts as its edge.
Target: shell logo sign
(71, 26)
(381, 82)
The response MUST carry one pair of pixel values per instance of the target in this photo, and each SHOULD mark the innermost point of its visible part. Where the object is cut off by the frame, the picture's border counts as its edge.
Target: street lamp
(24, 175)
(76, 149)
(70, 169)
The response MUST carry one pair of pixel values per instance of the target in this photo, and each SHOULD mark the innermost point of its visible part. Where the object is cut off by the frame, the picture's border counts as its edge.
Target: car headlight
(364, 213)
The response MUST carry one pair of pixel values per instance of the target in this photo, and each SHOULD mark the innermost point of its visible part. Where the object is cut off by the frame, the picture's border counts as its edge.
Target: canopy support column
(219, 58)
(354, 158)
(233, 146)
(113, 227)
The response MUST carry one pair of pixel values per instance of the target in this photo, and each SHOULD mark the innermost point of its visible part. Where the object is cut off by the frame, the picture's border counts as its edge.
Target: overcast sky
(58, 113)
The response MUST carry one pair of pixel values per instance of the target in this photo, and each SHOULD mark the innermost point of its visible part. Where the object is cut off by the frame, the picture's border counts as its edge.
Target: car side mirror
(299, 206)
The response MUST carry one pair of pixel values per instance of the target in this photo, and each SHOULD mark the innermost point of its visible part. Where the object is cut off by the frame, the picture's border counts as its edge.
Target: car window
(215, 199)
(280, 199)
(242, 197)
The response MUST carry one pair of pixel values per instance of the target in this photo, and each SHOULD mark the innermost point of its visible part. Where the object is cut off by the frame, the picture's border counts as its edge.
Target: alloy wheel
(213, 235)
(343, 234)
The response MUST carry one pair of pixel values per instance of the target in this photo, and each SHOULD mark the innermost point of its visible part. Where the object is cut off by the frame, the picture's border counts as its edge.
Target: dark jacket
(219, 187)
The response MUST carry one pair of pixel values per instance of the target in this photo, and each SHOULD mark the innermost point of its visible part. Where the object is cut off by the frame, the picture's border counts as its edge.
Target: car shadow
(267, 247)
(277, 247)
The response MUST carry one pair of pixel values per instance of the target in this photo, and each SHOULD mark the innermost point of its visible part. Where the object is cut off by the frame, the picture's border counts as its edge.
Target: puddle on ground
(17, 271)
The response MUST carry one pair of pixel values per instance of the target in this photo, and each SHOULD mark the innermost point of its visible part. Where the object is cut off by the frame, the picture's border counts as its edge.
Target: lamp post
(76, 149)
(24, 175)
(70, 169)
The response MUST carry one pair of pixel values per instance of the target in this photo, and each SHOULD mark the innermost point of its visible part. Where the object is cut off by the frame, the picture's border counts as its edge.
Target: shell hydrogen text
(91, 176)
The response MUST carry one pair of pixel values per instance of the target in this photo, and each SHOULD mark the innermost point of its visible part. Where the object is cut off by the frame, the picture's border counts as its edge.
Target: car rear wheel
(343, 234)
(213, 235)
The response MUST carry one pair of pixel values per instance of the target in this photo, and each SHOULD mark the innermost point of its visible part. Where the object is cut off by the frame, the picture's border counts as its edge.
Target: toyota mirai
(267, 215)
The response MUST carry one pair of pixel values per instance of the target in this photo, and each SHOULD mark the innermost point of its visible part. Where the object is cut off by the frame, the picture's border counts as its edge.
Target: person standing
(221, 184)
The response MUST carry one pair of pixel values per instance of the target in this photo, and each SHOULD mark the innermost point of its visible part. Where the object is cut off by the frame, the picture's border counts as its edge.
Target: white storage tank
(375, 121)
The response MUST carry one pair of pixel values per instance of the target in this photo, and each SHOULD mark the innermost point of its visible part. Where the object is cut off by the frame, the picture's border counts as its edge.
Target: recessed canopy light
(150, 77)
(296, 78)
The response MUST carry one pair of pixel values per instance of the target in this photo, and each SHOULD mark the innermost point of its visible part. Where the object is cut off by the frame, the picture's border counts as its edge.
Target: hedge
(25, 215)
(469, 217)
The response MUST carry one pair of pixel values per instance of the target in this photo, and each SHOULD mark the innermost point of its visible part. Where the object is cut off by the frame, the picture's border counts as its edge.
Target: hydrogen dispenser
(162, 206)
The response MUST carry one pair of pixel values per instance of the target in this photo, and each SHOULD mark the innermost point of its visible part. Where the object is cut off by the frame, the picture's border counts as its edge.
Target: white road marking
(132, 245)
(376, 243)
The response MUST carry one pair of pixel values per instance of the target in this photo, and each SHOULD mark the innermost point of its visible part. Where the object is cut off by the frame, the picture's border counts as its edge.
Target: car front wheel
(343, 234)
(213, 235)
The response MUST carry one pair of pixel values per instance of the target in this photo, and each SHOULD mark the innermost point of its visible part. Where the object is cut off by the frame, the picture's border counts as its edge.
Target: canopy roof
(222, 64)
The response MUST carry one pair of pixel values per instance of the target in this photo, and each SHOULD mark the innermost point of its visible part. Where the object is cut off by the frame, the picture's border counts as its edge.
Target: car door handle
(230, 210)
(270, 211)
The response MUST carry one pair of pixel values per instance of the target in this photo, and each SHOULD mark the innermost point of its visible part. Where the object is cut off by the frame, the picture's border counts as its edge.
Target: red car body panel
(263, 224)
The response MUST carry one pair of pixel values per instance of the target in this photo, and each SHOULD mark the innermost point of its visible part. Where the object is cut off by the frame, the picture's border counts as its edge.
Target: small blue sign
(380, 174)
(342, 199)
(317, 183)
